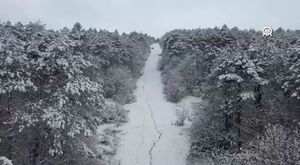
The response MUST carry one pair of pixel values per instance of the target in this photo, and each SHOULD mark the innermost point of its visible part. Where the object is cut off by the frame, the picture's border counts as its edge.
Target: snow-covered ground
(150, 137)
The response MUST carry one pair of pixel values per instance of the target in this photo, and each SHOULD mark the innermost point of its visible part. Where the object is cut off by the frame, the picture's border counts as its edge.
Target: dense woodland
(58, 87)
(250, 91)
(54, 86)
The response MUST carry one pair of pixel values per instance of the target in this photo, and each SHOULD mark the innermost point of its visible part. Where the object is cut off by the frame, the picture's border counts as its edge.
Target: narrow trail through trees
(150, 137)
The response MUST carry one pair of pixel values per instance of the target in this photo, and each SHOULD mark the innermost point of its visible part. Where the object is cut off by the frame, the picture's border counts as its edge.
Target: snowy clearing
(150, 137)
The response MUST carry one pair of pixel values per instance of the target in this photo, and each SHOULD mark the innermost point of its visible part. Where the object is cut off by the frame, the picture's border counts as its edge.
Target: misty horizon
(153, 17)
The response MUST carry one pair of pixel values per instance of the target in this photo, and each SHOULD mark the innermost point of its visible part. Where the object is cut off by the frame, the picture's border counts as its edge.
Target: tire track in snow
(160, 133)
(142, 132)
(142, 140)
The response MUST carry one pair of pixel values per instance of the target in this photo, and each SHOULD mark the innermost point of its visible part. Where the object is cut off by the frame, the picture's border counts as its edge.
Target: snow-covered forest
(250, 91)
(57, 88)
(93, 97)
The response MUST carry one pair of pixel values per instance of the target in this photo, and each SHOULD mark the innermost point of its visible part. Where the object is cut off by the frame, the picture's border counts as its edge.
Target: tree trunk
(34, 154)
(258, 96)
(226, 113)
(238, 120)
(238, 115)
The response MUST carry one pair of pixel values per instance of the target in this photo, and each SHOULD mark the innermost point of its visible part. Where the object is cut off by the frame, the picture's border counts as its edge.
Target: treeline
(53, 86)
(250, 86)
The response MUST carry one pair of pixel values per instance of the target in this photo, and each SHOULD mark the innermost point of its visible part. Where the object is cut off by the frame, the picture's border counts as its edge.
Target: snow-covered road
(150, 138)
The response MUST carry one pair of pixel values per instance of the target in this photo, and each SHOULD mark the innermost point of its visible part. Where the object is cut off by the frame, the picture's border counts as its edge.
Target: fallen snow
(5, 161)
(150, 137)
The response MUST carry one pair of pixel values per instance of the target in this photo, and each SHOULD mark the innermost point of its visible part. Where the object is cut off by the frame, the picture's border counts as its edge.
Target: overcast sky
(154, 17)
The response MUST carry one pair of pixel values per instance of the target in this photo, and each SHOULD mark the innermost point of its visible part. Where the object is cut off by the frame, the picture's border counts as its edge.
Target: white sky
(154, 17)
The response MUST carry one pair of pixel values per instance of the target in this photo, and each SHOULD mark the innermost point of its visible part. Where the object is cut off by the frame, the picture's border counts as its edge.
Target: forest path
(149, 137)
